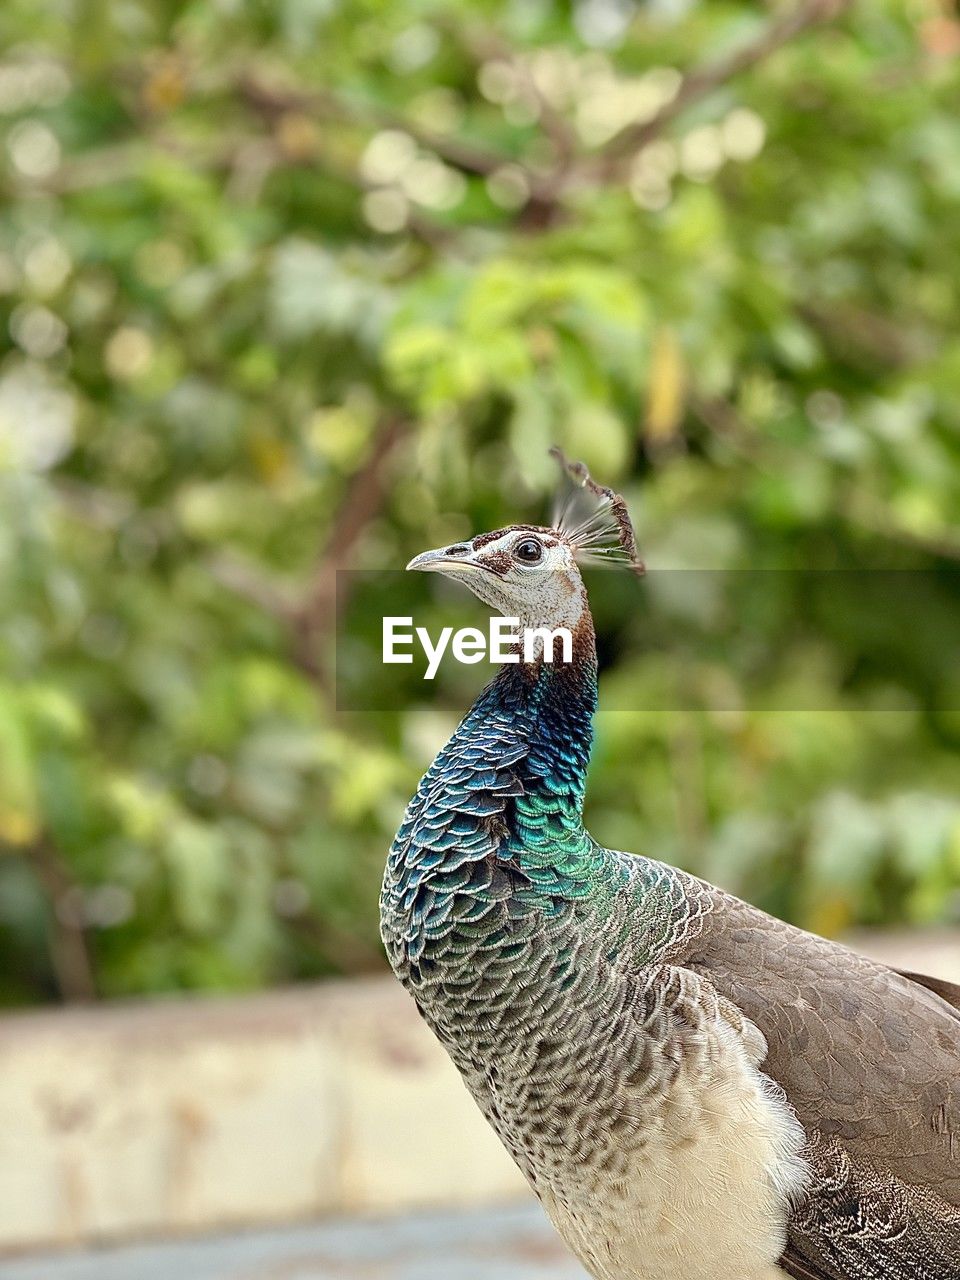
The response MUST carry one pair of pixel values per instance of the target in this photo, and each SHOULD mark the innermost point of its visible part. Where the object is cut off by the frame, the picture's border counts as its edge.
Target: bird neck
(553, 704)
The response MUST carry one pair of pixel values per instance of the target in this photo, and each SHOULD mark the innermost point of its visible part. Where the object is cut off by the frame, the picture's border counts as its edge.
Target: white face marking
(528, 574)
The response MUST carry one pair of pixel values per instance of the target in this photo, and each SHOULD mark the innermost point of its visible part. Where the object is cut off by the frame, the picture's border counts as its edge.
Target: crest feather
(594, 519)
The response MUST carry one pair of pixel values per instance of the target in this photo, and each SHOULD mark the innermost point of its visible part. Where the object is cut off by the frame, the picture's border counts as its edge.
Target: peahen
(694, 1089)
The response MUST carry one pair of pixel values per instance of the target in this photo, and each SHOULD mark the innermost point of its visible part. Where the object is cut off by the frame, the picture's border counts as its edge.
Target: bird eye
(529, 551)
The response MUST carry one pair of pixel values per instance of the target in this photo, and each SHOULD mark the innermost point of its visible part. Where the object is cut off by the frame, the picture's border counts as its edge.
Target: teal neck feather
(554, 705)
(495, 834)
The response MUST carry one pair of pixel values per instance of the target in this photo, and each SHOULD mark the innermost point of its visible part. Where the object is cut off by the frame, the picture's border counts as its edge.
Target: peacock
(694, 1089)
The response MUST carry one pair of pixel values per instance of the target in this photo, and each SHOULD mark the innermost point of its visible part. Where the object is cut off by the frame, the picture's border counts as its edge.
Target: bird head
(531, 571)
(524, 571)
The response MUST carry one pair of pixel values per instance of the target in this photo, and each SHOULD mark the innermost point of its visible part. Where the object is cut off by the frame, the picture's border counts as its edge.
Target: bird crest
(593, 519)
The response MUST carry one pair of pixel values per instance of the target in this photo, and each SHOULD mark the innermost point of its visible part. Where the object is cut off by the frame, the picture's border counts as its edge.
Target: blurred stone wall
(185, 1115)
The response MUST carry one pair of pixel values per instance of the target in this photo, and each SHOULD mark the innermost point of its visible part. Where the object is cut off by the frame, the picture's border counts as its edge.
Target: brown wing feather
(870, 1061)
(947, 991)
(802, 1269)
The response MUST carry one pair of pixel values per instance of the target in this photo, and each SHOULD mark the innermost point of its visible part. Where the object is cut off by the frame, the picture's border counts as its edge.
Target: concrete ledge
(170, 1117)
(182, 1115)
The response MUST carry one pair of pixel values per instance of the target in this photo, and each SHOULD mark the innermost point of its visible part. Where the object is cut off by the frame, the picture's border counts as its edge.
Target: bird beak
(439, 561)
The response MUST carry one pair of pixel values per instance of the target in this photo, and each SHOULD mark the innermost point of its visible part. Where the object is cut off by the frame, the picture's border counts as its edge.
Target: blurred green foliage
(292, 286)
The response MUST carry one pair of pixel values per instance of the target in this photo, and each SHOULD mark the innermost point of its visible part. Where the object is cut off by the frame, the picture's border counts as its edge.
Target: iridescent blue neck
(498, 816)
(552, 703)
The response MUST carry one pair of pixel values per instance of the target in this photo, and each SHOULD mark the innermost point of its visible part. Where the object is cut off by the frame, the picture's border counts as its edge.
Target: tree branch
(466, 157)
(702, 81)
(486, 45)
(359, 505)
(246, 579)
(69, 946)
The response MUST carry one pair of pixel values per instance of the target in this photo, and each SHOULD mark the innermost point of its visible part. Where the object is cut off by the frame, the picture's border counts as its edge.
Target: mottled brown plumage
(870, 1061)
